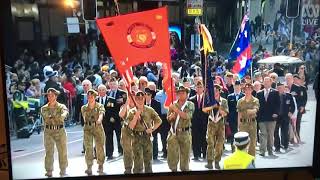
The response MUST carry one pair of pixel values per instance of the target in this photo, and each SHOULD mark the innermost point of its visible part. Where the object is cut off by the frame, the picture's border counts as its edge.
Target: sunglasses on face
(148, 94)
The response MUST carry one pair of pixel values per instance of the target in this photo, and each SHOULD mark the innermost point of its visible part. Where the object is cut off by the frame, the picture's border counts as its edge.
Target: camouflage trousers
(126, 143)
(142, 153)
(95, 133)
(251, 128)
(179, 146)
(215, 140)
(56, 137)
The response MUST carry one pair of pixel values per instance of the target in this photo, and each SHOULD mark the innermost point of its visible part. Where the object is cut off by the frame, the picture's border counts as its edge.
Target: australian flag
(241, 49)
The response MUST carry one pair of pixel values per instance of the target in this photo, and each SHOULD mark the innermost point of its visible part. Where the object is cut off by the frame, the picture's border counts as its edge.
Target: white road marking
(34, 152)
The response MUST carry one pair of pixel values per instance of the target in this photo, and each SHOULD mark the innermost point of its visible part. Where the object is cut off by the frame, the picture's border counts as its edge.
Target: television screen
(176, 29)
(78, 113)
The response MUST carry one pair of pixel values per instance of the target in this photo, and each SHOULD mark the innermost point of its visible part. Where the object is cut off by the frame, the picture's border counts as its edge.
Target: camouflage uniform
(55, 133)
(126, 143)
(179, 142)
(93, 131)
(248, 123)
(141, 141)
(216, 136)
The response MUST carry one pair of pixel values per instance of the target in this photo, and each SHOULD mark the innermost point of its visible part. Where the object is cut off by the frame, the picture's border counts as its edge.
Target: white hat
(241, 138)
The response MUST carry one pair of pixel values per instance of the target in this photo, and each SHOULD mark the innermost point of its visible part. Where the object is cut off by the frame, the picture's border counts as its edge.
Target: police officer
(143, 120)
(179, 138)
(240, 159)
(92, 113)
(216, 129)
(233, 99)
(54, 114)
(126, 134)
(247, 108)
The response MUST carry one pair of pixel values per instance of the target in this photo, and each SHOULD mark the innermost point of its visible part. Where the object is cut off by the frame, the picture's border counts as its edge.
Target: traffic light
(293, 8)
(89, 9)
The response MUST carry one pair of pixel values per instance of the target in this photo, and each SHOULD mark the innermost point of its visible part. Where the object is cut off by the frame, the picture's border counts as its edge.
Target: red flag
(138, 38)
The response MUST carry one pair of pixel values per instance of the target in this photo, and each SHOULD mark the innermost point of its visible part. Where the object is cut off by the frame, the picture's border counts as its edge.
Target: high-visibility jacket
(238, 160)
(20, 104)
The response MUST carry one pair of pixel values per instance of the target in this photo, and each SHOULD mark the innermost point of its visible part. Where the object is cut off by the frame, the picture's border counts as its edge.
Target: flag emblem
(141, 35)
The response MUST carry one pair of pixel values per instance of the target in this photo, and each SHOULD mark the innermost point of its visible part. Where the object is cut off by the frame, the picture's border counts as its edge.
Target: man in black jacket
(53, 83)
(287, 108)
(151, 102)
(116, 98)
(268, 113)
(303, 101)
(199, 124)
(233, 114)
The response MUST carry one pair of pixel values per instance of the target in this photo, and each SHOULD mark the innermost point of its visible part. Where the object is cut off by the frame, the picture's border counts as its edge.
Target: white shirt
(104, 99)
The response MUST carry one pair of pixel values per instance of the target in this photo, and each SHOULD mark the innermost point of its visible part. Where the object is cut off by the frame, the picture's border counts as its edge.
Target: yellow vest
(238, 160)
(20, 104)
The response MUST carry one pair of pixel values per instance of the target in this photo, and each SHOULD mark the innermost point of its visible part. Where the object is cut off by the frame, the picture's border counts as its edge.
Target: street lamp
(69, 3)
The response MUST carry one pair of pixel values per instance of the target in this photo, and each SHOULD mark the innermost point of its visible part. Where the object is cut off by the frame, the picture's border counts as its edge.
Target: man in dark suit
(296, 91)
(268, 113)
(287, 108)
(199, 124)
(233, 114)
(116, 98)
(151, 102)
(81, 100)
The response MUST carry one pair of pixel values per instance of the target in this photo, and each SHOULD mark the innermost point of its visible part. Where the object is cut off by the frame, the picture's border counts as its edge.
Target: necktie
(199, 102)
(266, 96)
(102, 100)
(237, 97)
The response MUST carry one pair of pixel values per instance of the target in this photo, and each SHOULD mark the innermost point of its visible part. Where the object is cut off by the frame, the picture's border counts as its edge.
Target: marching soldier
(54, 115)
(126, 135)
(247, 108)
(143, 121)
(216, 130)
(179, 139)
(92, 114)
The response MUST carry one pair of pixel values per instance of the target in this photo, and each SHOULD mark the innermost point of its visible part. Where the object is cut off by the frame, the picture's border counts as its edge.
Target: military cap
(237, 82)
(248, 85)
(296, 76)
(279, 84)
(53, 90)
(92, 92)
(241, 138)
(139, 93)
(148, 90)
(217, 86)
(182, 88)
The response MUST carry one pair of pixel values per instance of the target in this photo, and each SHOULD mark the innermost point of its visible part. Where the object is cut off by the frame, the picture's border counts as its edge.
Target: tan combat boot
(100, 169)
(217, 166)
(209, 165)
(62, 172)
(48, 174)
(89, 171)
